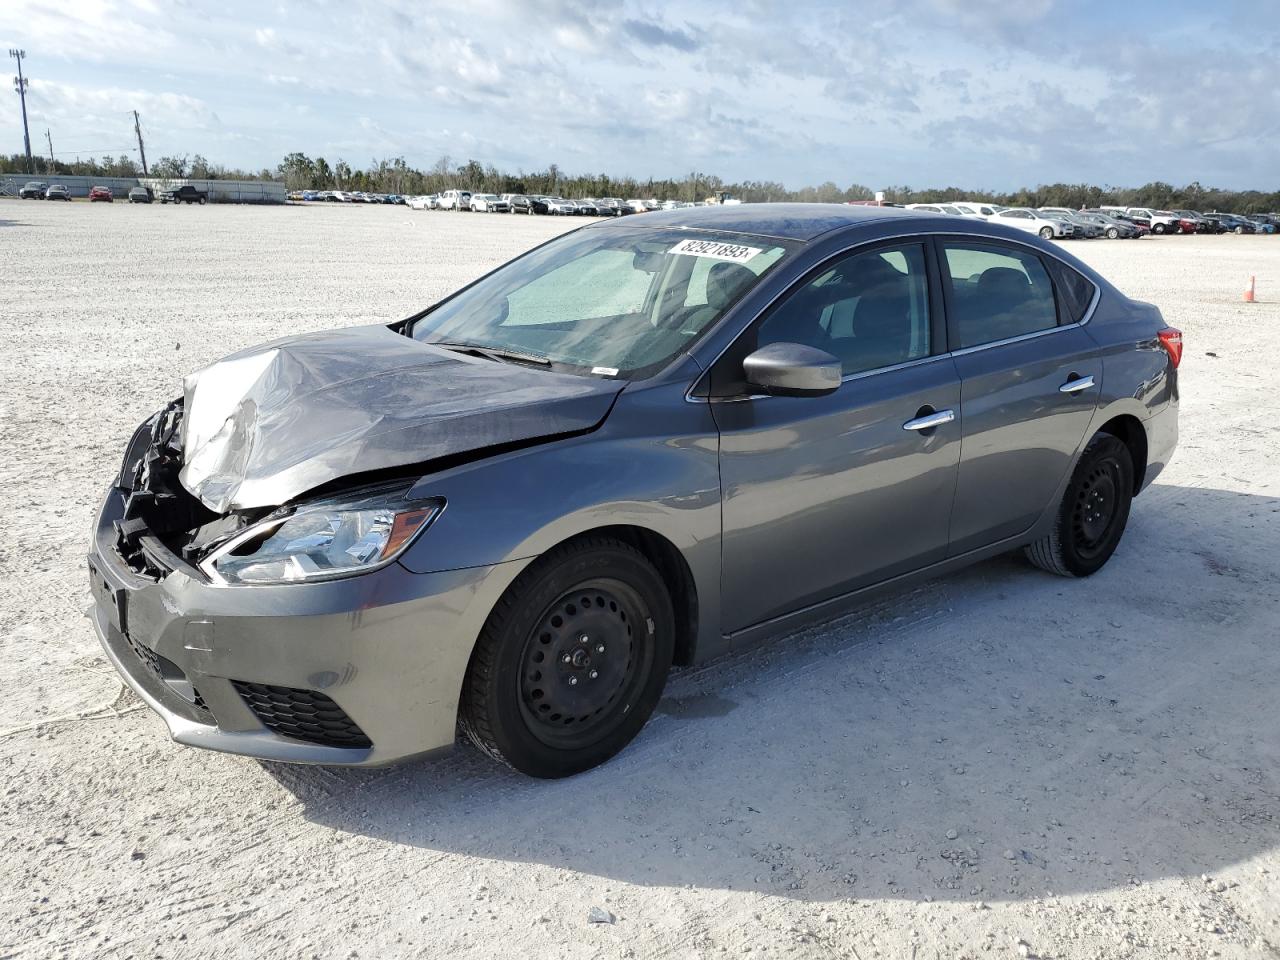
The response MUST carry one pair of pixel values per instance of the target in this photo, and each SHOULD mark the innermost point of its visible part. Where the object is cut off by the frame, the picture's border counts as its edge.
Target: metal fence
(220, 191)
(227, 191)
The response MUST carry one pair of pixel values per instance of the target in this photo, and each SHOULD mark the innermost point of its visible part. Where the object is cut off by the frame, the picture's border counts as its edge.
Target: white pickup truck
(1162, 221)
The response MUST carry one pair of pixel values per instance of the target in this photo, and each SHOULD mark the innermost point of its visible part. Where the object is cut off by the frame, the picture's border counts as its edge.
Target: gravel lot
(1001, 762)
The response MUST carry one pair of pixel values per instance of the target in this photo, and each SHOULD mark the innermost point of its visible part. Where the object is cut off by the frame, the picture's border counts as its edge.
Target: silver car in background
(645, 443)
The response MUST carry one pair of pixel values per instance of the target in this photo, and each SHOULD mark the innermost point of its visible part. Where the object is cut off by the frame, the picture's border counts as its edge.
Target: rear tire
(571, 661)
(1093, 513)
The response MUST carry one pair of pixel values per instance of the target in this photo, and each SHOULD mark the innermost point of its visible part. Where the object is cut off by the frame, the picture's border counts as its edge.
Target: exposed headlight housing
(325, 540)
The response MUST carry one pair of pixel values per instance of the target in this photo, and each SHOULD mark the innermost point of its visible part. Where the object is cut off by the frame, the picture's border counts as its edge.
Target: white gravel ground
(1001, 762)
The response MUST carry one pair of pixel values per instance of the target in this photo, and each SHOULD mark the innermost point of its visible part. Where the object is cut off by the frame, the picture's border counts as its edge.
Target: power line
(20, 84)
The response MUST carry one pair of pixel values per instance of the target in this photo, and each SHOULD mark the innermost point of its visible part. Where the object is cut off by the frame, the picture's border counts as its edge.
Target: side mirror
(792, 370)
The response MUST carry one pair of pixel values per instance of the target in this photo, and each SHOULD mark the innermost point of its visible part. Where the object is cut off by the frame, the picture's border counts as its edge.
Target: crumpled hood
(272, 422)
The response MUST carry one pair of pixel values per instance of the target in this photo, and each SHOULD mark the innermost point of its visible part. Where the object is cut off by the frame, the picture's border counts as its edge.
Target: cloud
(656, 35)
(984, 92)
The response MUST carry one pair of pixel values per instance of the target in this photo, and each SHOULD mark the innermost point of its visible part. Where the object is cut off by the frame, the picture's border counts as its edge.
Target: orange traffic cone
(1248, 291)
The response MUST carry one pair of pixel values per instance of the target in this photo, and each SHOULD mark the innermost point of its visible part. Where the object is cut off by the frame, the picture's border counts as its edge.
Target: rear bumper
(384, 653)
(1162, 438)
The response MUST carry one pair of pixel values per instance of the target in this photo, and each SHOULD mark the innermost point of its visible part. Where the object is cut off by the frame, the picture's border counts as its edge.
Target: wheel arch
(1129, 430)
(675, 572)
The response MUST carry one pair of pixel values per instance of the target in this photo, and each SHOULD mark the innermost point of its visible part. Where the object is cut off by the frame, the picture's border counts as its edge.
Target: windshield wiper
(491, 353)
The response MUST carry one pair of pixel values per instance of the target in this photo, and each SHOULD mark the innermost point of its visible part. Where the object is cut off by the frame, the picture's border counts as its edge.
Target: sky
(984, 94)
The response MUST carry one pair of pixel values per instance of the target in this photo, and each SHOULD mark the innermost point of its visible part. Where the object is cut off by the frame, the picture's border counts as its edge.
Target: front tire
(1046, 233)
(571, 661)
(1113, 233)
(1093, 513)
(1158, 228)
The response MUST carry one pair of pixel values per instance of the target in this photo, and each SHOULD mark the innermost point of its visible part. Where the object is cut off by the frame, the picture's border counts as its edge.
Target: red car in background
(100, 193)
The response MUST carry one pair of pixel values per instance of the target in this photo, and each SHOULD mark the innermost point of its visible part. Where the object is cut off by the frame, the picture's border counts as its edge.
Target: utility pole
(49, 137)
(20, 84)
(137, 128)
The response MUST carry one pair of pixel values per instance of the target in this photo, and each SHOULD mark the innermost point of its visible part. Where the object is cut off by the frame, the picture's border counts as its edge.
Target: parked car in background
(518, 203)
(57, 191)
(489, 203)
(946, 208)
(741, 420)
(1162, 221)
(1084, 229)
(1142, 223)
(455, 200)
(559, 206)
(1113, 228)
(974, 209)
(184, 194)
(100, 194)
(1191, 221)
(1262, 222)
(1118, 213)
(140, 195)
(1230, 223)
(1024, 218)
(1206, 225)
(33, 190)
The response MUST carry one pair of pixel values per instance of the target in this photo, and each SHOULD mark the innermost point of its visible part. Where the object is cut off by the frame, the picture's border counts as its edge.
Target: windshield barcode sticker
(734, 252)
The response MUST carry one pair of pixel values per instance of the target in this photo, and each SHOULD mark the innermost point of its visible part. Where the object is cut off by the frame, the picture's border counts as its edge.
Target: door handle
(1077, 384)
(930, 421)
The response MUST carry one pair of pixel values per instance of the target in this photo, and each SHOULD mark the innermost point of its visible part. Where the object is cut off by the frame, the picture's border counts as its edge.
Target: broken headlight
(323, 541)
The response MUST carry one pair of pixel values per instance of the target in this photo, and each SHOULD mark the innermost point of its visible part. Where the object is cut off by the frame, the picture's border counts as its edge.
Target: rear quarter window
(1075, 292)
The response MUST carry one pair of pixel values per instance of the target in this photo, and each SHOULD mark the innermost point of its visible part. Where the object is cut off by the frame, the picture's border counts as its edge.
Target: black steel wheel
(1093, 513)
(571, 661)
(582, 659)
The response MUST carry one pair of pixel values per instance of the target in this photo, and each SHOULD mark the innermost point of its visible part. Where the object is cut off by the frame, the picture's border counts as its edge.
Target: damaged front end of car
(163, 527)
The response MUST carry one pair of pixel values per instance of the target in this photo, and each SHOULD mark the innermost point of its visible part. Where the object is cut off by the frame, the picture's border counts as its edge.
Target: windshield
(611, 302)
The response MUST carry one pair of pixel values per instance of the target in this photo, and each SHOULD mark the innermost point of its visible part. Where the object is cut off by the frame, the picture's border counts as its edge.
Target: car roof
(786, 221)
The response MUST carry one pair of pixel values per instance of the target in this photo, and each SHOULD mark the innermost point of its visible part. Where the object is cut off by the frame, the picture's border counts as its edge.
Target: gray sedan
(643, 444)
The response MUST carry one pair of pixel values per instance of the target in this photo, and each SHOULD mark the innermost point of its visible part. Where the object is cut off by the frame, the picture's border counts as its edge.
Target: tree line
(299, 172)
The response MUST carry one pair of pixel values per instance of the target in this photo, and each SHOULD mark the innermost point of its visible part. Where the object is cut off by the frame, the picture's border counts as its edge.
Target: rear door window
(997, 292)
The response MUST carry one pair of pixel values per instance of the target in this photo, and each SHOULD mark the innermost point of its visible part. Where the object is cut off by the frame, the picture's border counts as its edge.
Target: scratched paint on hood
(270, 423)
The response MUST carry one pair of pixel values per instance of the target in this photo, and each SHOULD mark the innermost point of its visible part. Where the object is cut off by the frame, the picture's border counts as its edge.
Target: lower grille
(150, 659)
(168, 672)
(301, 715)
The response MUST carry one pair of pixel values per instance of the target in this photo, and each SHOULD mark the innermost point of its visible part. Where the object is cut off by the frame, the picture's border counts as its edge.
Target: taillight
(1171, 340)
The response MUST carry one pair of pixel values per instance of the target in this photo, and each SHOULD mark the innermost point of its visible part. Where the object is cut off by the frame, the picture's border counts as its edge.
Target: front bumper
(362, 671)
